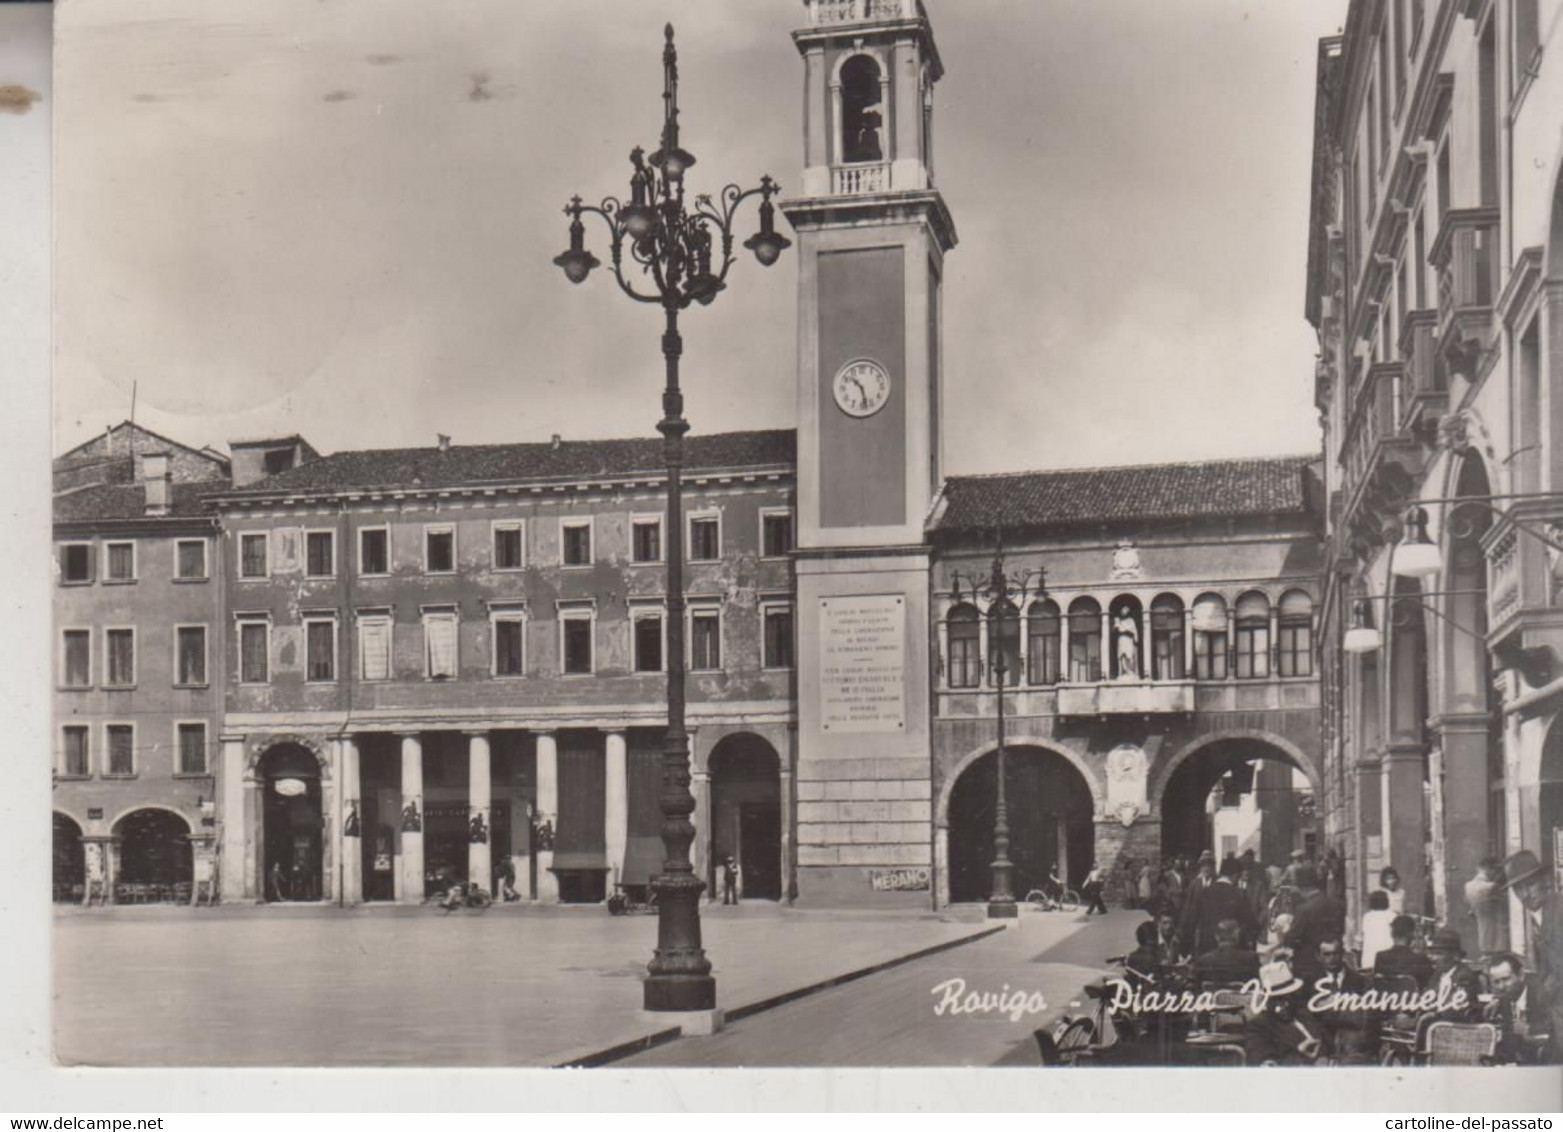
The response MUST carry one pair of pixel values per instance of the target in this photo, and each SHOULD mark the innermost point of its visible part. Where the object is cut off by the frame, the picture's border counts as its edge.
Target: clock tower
(872, 234)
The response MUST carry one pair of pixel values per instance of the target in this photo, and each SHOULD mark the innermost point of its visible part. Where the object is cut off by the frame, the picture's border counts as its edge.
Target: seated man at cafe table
(1229, 964)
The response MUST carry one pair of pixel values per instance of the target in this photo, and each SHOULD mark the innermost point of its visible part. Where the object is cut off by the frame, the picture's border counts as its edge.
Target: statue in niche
(350, 823)
(477, 829)
(1127, 632)
(412, 820)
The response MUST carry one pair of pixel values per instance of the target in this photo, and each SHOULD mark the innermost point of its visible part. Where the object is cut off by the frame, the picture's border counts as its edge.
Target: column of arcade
(410, 863)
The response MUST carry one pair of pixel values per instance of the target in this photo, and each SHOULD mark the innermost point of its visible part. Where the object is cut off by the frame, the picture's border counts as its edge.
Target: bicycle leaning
(1051, 899)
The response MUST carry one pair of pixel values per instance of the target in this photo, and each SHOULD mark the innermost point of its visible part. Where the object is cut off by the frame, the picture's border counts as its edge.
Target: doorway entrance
(746, 815)
(292, 824)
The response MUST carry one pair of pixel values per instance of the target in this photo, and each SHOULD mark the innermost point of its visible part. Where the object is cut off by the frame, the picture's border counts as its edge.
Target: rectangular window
(192, 748)
(1085, 654)
(1042, 647)
(509, 644)
(439, 550)
(1295, 641)
(576, 632)
(1253, 651)
(648, 642)
(254, 652)
(122, 749)
(778, 636)
(705, 640)
(705, 539)
(320, 554)
(577, 538)
(508, 547)
(190, 559)
(320, 644)
(374, 551)
(190, 658)
(1210, 655)
(252, 556)
(78, 658)
(78, 762)
(374, 647)
(76, 563)
(119, 562)
(646, 540)
(439, 640)
(776, 536)
(120, 659)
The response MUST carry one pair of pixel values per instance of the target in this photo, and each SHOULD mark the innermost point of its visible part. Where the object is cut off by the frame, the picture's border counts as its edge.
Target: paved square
(325, 986)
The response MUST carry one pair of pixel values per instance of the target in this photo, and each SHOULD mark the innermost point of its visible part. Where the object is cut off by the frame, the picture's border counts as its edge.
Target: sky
(336, 218)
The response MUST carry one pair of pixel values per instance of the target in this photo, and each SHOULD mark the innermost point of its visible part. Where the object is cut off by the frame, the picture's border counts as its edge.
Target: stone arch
(258, 747)
(941, 815)
(153, 859)
(1303, 761)
(861, 104)
(128, 810)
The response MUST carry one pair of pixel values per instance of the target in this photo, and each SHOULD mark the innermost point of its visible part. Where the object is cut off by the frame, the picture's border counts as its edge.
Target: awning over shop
(583, 860)
(642, 860)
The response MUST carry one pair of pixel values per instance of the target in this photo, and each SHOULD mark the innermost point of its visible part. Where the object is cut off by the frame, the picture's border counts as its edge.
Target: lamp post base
(681, 993)
(1003, 909)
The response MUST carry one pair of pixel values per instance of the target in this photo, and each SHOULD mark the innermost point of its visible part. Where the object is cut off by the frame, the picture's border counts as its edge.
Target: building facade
(1436, 286)
(138, 630)
(448, 662)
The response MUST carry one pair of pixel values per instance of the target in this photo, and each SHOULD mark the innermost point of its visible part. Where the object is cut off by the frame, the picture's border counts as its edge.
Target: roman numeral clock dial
(861, 387)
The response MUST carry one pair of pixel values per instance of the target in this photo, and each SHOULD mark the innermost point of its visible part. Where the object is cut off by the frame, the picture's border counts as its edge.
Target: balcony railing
(1127, 698)
(1465, 255)
(1375, 420)
(1426, 392)
(823, 12)
(1521, 592)
(870, 177)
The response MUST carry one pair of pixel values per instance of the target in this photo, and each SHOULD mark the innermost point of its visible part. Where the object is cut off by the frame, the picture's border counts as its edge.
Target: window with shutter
(439, 634)
(192, 748)
(78, 658)
(374, 648)
(121, 657)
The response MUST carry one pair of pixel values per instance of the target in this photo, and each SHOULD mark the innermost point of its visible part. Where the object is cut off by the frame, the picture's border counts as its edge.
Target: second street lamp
(671, 252)
(998, 589)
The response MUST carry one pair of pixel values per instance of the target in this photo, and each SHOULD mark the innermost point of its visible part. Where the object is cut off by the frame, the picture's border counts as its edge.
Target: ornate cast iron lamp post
(998, 590)
(678, 253)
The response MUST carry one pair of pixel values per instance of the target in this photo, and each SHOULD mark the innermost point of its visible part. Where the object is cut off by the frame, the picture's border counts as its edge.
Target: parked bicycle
(629, 899)
(1054, 899)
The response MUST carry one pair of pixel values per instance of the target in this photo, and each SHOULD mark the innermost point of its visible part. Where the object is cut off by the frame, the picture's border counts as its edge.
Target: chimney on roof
(444, 441)
(157, 477)
(556, 440)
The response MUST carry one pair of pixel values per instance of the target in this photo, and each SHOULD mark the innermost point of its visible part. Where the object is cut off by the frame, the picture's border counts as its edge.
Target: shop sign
(899, 880)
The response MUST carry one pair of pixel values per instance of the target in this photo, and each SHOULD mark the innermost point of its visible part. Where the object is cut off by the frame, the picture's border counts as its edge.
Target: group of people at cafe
(1239, 925)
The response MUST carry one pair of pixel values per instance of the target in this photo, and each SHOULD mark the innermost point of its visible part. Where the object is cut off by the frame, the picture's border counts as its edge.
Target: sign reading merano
(862, 664)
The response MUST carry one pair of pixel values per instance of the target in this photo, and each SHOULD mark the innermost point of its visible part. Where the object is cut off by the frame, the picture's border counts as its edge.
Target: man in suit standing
(1317, 918)
(1400, 958)
(1532, 883)
(1221, 900)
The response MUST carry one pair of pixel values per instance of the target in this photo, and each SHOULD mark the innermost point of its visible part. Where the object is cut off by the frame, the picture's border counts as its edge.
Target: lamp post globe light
(673, 251)
(1005, 592)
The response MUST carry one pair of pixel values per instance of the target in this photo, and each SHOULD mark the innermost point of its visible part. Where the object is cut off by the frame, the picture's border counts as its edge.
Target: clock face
(862, 388)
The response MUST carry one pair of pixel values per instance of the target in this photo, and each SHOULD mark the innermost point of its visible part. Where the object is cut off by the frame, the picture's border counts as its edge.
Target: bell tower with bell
(872, 234)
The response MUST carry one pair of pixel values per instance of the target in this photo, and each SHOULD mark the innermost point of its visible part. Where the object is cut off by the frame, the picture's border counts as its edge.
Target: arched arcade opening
(154, 858)
(292, 824)
(746, 815)
(1051, 822)
(70, 861)
(1237, 794)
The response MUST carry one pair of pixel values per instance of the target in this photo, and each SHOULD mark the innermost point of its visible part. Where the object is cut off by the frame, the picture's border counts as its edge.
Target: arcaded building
(1435, 283)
